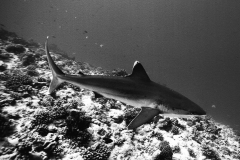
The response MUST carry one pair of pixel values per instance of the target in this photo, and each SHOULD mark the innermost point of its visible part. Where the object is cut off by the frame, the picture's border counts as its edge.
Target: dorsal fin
(138, 72)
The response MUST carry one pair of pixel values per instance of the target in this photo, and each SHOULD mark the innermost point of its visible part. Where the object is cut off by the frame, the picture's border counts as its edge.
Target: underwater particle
(17, 49)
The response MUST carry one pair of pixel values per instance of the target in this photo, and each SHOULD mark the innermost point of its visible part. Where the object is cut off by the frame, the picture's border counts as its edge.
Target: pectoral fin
(144, 116)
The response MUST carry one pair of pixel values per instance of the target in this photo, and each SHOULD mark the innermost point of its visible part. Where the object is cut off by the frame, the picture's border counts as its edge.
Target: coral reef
(17, 49)
(28, 58)
(119, 72)
(6, 127)
(16, 81)
(210, 153)
(130, 113)
(166, 151)
(98, 151)
(75, 123)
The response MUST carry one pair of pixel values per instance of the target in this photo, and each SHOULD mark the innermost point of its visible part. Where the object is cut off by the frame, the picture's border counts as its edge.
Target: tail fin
(55, 71)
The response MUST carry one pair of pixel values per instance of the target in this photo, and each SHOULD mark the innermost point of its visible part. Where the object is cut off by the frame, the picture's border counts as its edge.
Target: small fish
(135, 89)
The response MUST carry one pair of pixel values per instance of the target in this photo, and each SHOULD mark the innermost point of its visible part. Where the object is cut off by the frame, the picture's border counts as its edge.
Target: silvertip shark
(135, 89)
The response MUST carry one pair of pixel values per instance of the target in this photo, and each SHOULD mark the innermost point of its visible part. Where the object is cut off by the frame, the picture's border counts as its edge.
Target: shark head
(182, 107)
(194, 109)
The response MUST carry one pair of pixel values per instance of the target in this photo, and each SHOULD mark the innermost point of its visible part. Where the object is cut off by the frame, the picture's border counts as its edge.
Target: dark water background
(191, 46)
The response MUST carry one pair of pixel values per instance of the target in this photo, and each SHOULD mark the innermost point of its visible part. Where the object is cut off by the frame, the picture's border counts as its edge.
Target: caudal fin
(55, 71)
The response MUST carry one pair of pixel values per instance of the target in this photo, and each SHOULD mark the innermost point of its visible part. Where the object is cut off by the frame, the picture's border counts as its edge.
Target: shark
(135, 89)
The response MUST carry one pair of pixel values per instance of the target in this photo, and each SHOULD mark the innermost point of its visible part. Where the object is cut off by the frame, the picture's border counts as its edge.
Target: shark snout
(197, 110)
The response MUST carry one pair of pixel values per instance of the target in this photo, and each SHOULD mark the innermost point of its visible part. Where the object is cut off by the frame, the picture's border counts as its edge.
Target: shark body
(135, 89)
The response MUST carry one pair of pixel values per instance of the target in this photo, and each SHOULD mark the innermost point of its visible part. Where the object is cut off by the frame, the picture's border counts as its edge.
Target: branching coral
(119, 72)
(213, 129)
(47, 101)
(191, 153)
(210, 153)
(77, 123)
(24, 148)
(17, 49)
(175, 130)
(42, 129)
(166, 152)
(158, 135)
(27, 59)
(32, 73)
(49, 115)
(41, 79)
(16, 95)
(42, 117)
(16, 81)
(31, 67)
(97, 152)
(166, 124)
(175, 122)
(4, 76)
(176, 149)
(5, 56)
